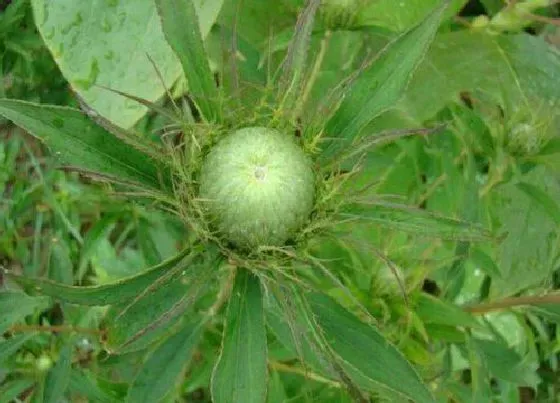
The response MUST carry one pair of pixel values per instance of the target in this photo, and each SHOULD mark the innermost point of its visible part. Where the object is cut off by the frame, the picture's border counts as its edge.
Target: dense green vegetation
(427, 270)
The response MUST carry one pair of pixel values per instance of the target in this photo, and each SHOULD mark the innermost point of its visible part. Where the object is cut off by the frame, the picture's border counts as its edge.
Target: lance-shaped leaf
(416, 221)
(240, 375)
(364, 353)
(133, 325)
(180, 26)
(293, 68)
(107, 294)
(380, 85)
(165, 365)
(77, 141)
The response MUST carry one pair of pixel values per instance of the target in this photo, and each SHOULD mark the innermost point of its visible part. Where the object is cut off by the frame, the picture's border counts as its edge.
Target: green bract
(258, 187)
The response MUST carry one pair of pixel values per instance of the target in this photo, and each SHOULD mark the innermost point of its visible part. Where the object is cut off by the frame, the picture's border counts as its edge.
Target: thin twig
(513, 302)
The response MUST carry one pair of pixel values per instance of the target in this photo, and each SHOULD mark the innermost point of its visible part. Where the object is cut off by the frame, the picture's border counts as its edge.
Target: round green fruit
(258, 187)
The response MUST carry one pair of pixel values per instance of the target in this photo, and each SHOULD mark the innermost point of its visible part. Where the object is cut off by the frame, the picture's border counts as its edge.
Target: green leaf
(295, 64)
(179, 22)
(140, 322)
(58, 377)
(416, 221)
(380, 85)
(364, 352)
(15, 306)
(484, 262)
(165, 365)
(504, 66)
(12, 389)
(107, 294)
(528, 254)
(106, 42)
(551, 206)
(60, 262)
(506, 364)
(84, 385)
(240, 375)
(11, 345)
(435, 311)
(549, 311)
(77, 141)
(398, 16)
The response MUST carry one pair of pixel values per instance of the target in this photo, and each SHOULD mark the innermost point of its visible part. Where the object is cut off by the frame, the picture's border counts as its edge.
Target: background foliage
(433, 308)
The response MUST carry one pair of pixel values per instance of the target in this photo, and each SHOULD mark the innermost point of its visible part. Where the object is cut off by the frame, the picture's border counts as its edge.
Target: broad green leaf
(107, 294)
(399, 15)
(15, 306)
(159, 375)
(528, 254)
(11, 345)
(179, 23)
(106, 42)
(416, 221)
(504, 66)
(77, 141)
(58, 377)
(435, 311)
(551, 206)
(240, 375)
(506, 364)
(364, 352)
(380, 85)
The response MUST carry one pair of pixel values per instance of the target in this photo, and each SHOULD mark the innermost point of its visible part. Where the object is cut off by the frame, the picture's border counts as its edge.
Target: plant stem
(278, 366)
(513, 302)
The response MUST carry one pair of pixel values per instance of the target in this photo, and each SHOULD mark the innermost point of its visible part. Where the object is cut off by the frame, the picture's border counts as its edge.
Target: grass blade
(181, 29)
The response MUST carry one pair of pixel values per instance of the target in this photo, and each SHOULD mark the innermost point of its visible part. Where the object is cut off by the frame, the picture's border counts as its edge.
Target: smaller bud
(43, 363)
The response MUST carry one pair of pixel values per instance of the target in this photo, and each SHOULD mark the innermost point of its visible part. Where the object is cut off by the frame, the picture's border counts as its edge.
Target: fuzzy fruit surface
(258, 187)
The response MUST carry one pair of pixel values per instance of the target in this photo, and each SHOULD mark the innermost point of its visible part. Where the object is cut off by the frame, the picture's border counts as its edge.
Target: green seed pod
(258, 187)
